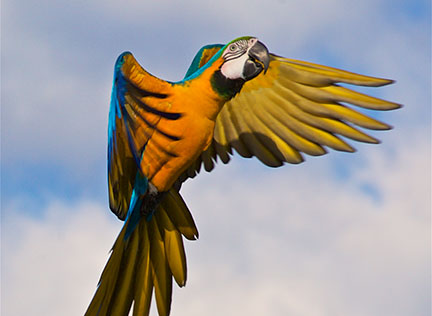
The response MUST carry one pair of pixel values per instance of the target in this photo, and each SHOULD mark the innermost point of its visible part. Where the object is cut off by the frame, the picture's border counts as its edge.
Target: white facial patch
(233, 69)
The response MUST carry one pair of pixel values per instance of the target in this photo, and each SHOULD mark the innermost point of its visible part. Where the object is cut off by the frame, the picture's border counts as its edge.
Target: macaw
(236, 96)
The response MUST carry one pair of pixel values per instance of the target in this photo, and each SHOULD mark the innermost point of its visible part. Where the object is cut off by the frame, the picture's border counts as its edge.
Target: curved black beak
(258, 61)
(259, 53)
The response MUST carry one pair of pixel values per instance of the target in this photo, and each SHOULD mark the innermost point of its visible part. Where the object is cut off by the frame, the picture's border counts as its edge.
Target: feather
(179, 214)
(162, 279)
(319, 75)
(295, 107)
(123, 294)
(147, 259)
(144, 277)
(174, 249)
(133, 119)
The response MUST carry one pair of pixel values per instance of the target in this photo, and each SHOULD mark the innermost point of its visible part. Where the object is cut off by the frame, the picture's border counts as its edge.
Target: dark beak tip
(266, 66)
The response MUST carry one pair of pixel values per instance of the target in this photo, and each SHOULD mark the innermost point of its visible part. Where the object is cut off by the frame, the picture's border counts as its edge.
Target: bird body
(234, 96)
(167, 154)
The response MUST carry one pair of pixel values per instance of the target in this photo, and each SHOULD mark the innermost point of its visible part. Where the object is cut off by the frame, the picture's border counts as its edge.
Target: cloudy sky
(343, 234)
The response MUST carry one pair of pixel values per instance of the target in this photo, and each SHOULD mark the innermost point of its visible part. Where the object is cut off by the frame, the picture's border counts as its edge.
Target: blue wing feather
(115, 110)
(134, 211)
(117, 105)
(119, 126)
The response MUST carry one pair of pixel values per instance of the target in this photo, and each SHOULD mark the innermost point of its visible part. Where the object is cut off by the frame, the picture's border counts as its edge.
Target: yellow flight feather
(297, 107)
(320, 75)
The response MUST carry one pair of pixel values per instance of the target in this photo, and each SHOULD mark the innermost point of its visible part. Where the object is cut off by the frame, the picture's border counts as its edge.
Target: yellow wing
(295, 107)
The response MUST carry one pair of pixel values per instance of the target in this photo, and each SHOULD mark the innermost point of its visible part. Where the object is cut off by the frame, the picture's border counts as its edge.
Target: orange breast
(178, 143)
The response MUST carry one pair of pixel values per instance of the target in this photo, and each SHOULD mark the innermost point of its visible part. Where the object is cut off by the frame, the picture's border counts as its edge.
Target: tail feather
(144, 279)
(174, 250)
(162, 277)
(124, 289)
(179, 214)
(107, 281)
(149, 258)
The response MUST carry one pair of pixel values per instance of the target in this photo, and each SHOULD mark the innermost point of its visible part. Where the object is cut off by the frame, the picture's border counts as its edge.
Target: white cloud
(287, 241)
(50, 265)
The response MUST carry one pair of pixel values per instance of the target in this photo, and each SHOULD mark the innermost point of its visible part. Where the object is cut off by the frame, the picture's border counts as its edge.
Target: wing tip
(345, 148)
(379, 82)
(397, 106)
(386, 127)
(120, 60)
(388, 106)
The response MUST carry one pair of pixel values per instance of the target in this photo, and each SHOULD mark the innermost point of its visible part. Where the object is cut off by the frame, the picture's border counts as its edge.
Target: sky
(341, 234)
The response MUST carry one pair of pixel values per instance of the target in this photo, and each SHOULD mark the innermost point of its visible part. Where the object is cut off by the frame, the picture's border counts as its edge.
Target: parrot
(235, 97)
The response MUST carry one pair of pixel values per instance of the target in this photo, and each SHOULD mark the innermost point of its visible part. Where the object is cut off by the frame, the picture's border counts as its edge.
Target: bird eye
(233, 47)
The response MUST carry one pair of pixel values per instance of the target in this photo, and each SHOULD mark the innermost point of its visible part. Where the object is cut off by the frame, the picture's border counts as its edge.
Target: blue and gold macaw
(234, 96)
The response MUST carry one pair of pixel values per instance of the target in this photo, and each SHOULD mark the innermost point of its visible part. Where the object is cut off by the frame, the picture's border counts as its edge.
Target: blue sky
(320, 238)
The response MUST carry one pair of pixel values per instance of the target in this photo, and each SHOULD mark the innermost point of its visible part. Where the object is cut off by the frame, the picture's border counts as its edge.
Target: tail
(149, 258)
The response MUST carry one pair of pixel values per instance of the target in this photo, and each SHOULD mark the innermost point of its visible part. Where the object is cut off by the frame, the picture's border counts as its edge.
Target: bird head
(244, 58)
(240, 60)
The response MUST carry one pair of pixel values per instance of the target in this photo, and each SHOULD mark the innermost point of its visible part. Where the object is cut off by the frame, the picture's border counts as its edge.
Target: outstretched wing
(132, 123)
(295, 107)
